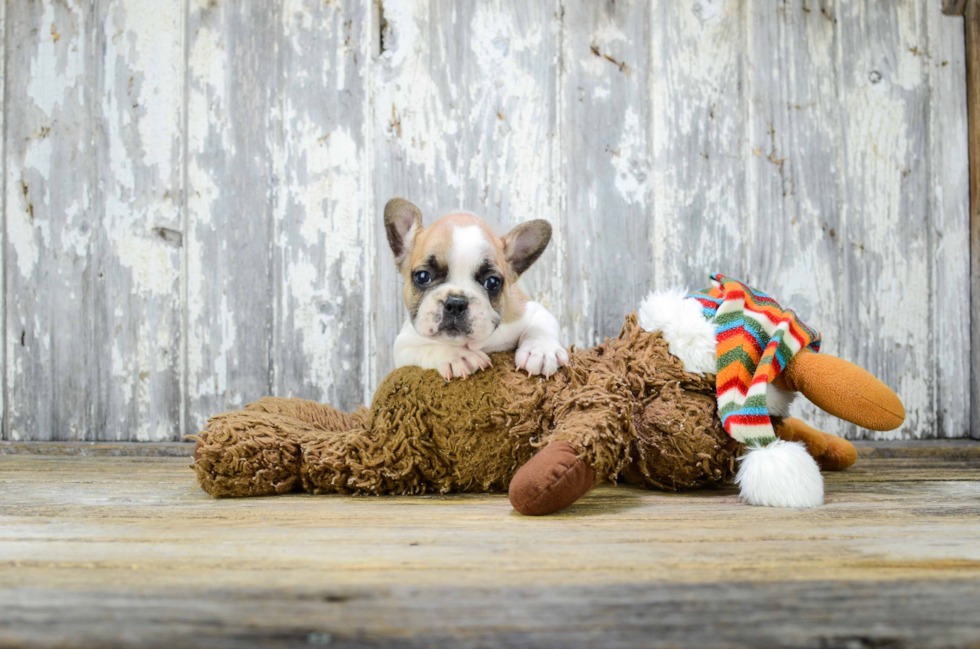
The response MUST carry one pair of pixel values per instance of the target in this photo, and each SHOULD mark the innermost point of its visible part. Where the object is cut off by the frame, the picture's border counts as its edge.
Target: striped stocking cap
(755, 339)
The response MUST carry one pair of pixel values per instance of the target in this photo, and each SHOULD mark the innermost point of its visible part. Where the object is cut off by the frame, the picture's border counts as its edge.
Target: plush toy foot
(843, 390)
(248, 453)
(553, 479)
(780, 474)
(832, 453)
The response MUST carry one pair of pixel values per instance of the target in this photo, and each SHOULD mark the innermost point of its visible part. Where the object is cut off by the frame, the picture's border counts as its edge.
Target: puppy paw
(460, 362)
(541, 356)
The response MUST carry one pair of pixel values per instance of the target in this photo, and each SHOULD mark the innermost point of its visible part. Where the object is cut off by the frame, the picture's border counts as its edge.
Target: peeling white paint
(207, 61)
(153, 263)
(66, 57)
(412, 109)
(4, 422)
(75, 238)
(328, 198)
(633, 177)
(724, 139)
(320, 217)
(21, 232)
(316, 329)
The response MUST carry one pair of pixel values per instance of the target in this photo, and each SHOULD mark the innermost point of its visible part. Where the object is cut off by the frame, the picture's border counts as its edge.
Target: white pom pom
(689, 335)
(780, 474)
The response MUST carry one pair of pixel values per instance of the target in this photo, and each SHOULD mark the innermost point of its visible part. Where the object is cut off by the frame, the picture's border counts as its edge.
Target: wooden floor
(105, 546)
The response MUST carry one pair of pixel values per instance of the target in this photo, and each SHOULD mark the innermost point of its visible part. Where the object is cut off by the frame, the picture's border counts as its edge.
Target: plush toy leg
(319, 415)
(590, 438)
(329, 458)
(843, 390)
(552, 480)
(262, 449)
(356, 461)
(250, 454)
(832, 453)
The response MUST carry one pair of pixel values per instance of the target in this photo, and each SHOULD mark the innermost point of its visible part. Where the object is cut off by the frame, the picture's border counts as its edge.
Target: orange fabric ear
(842, 389)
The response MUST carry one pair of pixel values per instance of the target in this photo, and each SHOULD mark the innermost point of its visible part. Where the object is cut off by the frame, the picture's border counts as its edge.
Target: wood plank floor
(109, 547)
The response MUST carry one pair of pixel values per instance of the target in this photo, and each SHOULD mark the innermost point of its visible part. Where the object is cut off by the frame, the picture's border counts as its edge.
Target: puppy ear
(525, 243)
(403, 222)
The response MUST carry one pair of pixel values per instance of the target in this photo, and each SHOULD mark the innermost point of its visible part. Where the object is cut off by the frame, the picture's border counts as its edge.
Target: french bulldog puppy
(462, 295)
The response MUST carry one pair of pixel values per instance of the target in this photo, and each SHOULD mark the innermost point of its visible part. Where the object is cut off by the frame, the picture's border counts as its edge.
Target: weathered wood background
(193, 188)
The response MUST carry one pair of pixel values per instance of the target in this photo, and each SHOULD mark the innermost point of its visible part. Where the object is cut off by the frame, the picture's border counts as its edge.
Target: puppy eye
(422, 277)
(492, 284)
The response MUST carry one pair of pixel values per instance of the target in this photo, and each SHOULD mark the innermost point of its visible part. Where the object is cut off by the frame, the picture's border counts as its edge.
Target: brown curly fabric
(680, 443)
(250, 453)
(626, 407)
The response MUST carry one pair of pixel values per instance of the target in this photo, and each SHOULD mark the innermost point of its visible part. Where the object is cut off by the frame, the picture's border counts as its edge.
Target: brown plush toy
(625, 410)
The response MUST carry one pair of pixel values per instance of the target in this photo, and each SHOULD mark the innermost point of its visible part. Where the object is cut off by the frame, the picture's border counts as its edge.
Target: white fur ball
(780, 474)
(689, 335)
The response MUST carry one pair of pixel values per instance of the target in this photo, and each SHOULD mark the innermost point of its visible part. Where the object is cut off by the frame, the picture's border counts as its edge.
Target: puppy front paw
(460, 362)
(541, 356)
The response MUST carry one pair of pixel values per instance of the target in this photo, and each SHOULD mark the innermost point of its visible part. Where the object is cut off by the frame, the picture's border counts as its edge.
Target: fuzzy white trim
(690, 336)
(778, 401)
(780, 474)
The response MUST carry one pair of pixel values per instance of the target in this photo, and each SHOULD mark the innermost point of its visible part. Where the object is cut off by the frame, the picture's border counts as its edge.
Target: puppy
(462, 295)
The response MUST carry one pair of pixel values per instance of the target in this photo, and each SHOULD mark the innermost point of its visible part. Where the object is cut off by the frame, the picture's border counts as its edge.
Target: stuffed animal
(642, 408)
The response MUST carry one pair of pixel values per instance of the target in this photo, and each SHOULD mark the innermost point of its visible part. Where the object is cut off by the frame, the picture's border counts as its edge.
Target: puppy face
(460, 278)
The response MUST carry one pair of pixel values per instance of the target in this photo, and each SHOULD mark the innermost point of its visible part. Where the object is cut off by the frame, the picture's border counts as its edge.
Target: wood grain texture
(794, 186)
(140, 449)
(607, 149)
(954, 7)
(321, 182)
(231, 144)
(193, 190)
(885, 229)
(971, 23)
(3, 218)
(106, 550)
(928, 613)
(51, 222)
(699, 149)
(138, 239)
(949, 221)
(93, 224)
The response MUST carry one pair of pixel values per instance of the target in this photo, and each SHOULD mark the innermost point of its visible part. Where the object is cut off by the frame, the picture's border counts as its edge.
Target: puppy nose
(456, 305)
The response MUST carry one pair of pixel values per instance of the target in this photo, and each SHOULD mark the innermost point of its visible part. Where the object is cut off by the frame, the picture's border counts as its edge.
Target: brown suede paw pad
(552, 480)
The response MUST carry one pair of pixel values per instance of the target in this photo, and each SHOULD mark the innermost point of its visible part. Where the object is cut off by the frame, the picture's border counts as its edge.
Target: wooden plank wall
(971, 27)
(192, 188)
